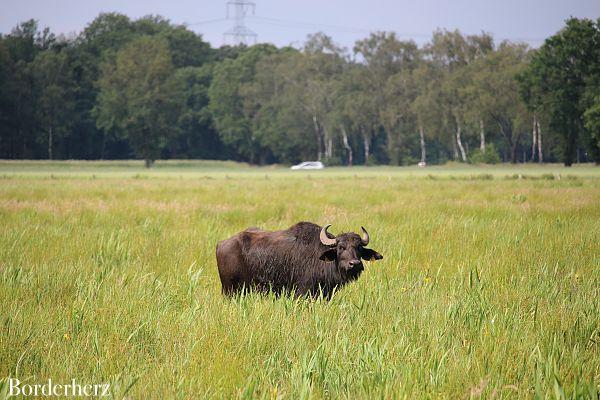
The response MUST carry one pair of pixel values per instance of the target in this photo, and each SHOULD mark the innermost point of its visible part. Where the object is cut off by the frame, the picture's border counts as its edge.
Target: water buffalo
(304, 259)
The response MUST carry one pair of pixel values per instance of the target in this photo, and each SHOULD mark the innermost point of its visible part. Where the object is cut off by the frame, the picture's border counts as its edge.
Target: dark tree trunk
(513, 142)
(454, 148)
(392, 146)
(50, 143)
(103, 148)
(262, 157)
(513, 154)
(367, 144)
(571, 145)
(539, 141)
(347, 145)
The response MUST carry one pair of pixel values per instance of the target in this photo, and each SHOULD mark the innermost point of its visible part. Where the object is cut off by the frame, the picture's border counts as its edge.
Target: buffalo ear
(329, 255)
(370, 255)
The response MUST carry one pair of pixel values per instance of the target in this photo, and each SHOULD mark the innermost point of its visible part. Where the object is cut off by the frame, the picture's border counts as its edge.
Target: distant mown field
(489, 286)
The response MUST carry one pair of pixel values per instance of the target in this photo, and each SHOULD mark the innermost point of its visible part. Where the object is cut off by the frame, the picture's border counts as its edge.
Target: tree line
(152, 90)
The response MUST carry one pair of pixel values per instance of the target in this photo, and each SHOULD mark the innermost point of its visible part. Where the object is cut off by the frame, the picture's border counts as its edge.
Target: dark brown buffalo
(304, 259)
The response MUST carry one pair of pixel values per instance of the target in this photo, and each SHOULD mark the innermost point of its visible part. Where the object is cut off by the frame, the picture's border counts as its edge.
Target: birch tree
(384, 56)
(55, 104)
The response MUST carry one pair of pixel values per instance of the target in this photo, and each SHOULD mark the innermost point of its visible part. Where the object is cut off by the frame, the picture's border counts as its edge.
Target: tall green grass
(488, 287)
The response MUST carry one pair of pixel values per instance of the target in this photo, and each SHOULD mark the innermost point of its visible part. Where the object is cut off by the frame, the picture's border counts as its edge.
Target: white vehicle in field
(309, 165)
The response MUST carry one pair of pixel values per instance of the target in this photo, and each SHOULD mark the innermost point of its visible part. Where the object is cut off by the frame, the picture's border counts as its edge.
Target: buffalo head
(348, 249)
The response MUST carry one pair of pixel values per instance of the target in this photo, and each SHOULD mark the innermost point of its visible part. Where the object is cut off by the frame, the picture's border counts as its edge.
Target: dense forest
(151, 90)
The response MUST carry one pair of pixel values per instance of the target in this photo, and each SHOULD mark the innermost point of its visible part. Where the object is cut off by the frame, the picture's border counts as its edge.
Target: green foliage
(55, 103)
(53, 84)
(138, 97)
(187, 48)
(195, 137)
(385, 101)
(592, 120)
(563, 79)
(226, 102)
(490, 156)
(389, 62)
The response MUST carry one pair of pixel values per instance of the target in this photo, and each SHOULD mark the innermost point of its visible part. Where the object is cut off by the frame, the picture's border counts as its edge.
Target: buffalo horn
(364, 237)
(326, 240)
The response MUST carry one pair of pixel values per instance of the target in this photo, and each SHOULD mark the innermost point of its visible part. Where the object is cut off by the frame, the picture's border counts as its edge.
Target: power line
(296, 24)
(303, 24)
(206, 22)
(241, 33)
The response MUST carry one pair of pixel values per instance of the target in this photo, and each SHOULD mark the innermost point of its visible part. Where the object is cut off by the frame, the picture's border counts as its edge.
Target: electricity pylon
(240, 34)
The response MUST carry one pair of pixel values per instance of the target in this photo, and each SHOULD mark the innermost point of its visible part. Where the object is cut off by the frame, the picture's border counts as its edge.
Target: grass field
(489, 286)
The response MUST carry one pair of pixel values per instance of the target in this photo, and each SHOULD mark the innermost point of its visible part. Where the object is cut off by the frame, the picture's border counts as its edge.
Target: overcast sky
(288, 22)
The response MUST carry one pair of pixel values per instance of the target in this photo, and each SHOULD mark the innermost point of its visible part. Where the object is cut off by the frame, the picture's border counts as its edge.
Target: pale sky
(287, 22)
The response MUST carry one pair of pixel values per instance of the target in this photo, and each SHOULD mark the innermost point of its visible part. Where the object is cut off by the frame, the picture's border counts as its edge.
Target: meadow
(489, 286)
